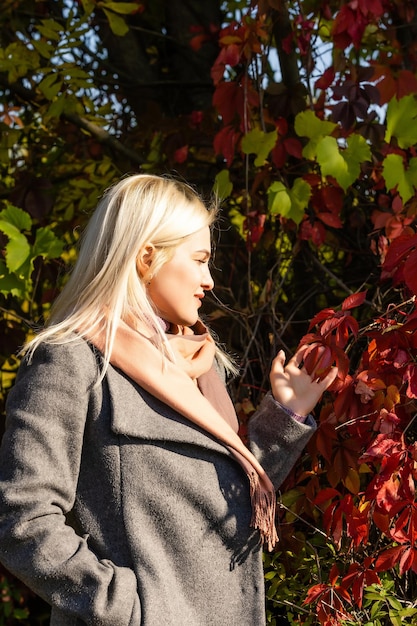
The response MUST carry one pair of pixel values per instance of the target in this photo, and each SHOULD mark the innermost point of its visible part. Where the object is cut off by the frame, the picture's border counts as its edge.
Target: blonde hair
(104, 286)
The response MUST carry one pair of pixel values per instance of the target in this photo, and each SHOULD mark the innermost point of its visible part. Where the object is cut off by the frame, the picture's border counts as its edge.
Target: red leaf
(293, 147)
(406, 83)
(342, 363)
(388, 495)
(326, 79)
(316, 233)
(354, 300)
(348, 27)
(359, 577)
(225, 100)
(410, 376)
(309, 338)
(326, 494)
(279, 155)
(330, 219)
(180, 155)
(324, 314)
(230, 55)
(389, 558)
(398, 251)
(332, 323)
(314, 593)
(387, 87)
(406, 561)
(410, 271)
(224, 143)
(197, 41)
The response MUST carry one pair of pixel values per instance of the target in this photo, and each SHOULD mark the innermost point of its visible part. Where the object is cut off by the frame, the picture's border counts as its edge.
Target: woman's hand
(293, 387)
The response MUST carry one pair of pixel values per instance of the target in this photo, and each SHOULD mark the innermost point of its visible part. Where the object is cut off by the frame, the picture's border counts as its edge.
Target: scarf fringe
(263, 511)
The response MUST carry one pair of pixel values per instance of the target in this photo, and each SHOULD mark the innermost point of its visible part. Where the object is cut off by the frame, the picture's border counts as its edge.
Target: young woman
(126, 495)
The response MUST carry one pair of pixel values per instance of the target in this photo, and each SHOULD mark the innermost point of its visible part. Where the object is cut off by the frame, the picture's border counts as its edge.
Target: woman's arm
(276, 437)
(39, 465)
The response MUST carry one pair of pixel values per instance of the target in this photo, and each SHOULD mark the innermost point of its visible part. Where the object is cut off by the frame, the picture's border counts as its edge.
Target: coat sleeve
(39, 464)
(277, 439)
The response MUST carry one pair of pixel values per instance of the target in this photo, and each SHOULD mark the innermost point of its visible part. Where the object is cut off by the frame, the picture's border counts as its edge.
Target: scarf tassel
(263, 511)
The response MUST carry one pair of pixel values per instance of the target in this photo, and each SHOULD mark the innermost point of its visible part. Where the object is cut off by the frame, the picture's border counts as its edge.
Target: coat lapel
(136, 413)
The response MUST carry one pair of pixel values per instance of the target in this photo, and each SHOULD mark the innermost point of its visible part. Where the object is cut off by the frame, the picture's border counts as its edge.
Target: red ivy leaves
(327, 345)
(403, 556)
(225, 142)
(238, 43)
(329, 600)
(352, 19)
(372, 410)
(360, 576)
(393, 83)
(401, 261)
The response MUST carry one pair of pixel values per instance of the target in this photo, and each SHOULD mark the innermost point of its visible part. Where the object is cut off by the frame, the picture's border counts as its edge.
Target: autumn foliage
(304, 114)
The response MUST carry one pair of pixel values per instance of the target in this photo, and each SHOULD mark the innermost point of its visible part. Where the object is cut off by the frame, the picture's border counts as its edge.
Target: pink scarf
(192, 387)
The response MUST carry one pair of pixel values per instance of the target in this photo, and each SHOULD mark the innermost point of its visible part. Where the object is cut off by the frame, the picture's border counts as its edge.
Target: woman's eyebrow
(206, 253)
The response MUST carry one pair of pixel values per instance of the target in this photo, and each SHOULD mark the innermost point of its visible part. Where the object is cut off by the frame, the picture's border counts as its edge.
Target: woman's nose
(207, 282)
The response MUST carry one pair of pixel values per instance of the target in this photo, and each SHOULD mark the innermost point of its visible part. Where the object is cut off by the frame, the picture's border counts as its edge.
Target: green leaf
(300, 196)
(45, 48)
(289, 203)
(124, 8)
(57, 107)
(10, 283)
(376, 606)
(17, 217)
(356, 152)
(17, 249)
(50, 86)
(397, 177)
(279, 201)
(47, 244)
(402, 121)
(343, 165)
(50, 29)
(18, 59)
(238, 220)
(332, 162)
(88, 6)
(307, 124)
(396, 604)
(290, 497)
(20, 613)
(223, 186)
(259, 143)
(116, 23)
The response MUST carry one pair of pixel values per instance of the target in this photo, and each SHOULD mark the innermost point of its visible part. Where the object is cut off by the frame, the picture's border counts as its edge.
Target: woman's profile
(126, 495)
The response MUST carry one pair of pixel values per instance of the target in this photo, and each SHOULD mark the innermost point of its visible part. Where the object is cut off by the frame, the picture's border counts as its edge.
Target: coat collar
(136, 413)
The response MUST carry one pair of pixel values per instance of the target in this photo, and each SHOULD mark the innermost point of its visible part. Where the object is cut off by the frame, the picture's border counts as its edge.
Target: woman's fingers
(298, 357)
(278, 363)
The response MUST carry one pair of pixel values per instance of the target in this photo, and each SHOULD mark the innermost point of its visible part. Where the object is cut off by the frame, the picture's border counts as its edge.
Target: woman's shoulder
(74, 357)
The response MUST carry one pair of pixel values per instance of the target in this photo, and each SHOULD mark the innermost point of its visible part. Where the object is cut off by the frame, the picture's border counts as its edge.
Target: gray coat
(118, 511)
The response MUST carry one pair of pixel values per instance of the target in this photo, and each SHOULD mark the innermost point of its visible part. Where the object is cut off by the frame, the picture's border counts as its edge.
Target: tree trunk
(155, 62)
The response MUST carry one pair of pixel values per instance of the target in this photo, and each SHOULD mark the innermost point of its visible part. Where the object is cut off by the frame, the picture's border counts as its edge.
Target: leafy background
(303, 118)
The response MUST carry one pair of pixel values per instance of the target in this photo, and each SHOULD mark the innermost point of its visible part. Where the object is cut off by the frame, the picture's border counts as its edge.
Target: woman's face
(178, 288)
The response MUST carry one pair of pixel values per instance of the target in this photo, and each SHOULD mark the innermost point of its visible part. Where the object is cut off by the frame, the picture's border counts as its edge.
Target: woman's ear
(144, 260)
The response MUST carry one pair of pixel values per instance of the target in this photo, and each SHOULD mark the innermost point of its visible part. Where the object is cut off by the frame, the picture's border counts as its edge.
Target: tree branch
(288, 62)
(103, 136)
(99, 133)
